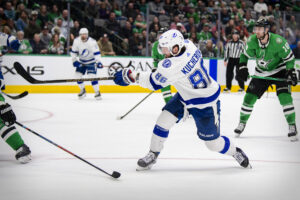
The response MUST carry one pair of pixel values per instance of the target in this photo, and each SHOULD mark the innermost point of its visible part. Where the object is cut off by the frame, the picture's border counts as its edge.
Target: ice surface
(186, 169)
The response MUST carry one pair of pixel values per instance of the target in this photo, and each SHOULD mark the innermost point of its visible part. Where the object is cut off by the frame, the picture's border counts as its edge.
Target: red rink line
(49, 114)
(188, 159)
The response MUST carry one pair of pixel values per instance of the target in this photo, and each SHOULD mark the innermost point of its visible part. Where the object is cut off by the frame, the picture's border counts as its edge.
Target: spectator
(75, 29)
(276, 11)
(9, 11)
(168, 7)
(117, 10)
(45, 36)
(139, 23)
(144, 40)
(61, 37)
(154, 33)
(215, 33)
(55, 47)
(43, 16)
(225, 17)
(260, 6)
(155, 22)
(64, 18)
(62, 30)
(25, 47)
(209, 51)
(249, 22)
(194, 35)
(112, 24)
(229, 28)
(54, 13)
(22, 22)
(190, 24)
(296, 51)
(289, 36)
(156, 8)
(6, 30)
(103, 11)
(3, 16)
(205, 34)
(20, 9)
(176, 20)
(135, 44)
(130, 12)
(105, 46)
(10, 23)
(292, 23)
(192, 13)
(181, 28)
(38, 47)
(92, 9)
(32, 28)
(242, 28)
(127, 30)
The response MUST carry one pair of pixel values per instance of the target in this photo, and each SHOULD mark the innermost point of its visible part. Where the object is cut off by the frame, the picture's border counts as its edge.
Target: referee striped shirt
(233, 49)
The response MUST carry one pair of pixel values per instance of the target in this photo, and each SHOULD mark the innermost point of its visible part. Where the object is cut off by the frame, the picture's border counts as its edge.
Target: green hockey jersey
(271, 57)
(156, 55)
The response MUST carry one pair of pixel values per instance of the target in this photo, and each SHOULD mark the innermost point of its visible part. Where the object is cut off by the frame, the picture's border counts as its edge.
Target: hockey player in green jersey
(166, 91)
(275, 59)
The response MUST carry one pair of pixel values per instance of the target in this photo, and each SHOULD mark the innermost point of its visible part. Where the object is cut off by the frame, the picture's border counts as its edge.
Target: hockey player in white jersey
(8, 131)
(86, 58)
(198, 95)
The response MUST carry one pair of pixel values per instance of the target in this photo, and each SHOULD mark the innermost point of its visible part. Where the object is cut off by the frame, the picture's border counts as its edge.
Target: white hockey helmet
(170, 39)
(83, 31)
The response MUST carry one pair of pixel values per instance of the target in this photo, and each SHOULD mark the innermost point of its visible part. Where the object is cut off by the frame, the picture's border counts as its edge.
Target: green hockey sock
(11, 136)
(286, 101)
(247, 107)
(166, 91)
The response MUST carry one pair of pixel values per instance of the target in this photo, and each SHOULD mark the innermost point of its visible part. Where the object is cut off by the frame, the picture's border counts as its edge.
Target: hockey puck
(116, 174)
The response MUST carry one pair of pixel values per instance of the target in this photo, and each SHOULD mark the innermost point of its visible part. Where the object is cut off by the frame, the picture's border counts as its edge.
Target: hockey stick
(19, 96)
(121, 117)
(114, 174)
(21, 71)
(270, 78)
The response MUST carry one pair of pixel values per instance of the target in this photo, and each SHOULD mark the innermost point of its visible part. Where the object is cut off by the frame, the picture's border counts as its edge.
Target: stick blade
(119, 118)
(116, 174)
(22, 72)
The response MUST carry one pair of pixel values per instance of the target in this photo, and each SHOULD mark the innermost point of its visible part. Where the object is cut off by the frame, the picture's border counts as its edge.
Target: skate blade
(98, 98)
(81, 97)
(294, 138)
(24, 159)
(139, 168)
(237, 135)
(249, 166)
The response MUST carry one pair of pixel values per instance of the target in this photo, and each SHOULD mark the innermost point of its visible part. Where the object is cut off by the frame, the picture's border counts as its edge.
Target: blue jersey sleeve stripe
(202, 100)
(97, 53)
(74, 51)
(154, 85)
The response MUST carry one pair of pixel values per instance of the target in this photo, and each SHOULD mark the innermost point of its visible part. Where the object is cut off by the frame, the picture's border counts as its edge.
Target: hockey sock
(166, 92)
(222, 145)
(161, 130)
(286, 101)
(95, 86)
(11, 136)
(81, 85)
(247, 107)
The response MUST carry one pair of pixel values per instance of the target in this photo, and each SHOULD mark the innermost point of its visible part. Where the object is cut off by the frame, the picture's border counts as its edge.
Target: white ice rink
(185, 169)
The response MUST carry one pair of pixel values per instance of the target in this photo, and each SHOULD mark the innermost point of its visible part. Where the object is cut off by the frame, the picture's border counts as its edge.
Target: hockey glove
(291, 77)
(242, 73)
(76, 64)
(123, 78)
(7, 114)
(99, 65)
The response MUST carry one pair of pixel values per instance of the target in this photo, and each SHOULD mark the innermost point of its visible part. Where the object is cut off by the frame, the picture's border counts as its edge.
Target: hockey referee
(233, 50)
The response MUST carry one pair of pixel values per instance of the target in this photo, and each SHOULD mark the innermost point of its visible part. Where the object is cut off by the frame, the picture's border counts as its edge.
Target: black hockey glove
(7, 114)
(291, 77)
(242, 73)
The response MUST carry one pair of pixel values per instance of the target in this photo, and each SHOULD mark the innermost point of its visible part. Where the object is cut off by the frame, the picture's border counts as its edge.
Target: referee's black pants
(232, 62)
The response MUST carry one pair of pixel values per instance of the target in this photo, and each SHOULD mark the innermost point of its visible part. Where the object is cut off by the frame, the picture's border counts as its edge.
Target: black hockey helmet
(262, 22)
(162, 30)
(235, 32)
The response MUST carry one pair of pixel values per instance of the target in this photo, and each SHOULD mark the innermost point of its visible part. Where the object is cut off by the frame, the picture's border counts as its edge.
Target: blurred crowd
(120, 27)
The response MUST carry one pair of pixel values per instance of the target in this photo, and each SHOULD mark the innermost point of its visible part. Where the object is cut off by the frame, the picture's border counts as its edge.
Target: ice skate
(98, 96)
(241, 158)
(82, 94)
(147, 162)
(238, 131)
(226, 90)
(293, 133)
(240, 90)
(23, 154)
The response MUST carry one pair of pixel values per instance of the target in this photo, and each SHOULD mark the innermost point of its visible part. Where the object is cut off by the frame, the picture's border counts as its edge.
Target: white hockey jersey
(188, 75)
(6, 41)
(85, 52)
